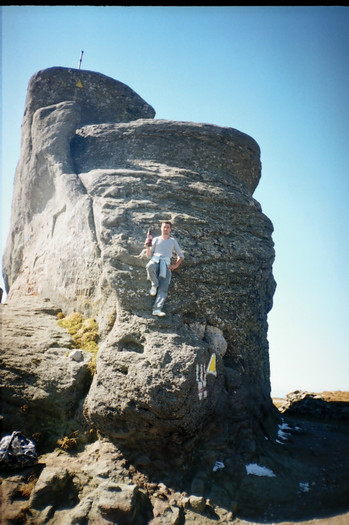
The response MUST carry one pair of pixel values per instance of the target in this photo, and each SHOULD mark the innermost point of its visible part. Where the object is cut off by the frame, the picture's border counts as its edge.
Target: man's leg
(162, 291)
(153, 272)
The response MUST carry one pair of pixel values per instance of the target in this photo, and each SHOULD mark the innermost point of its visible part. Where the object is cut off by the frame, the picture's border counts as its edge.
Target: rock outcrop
(42, 385)
(318, 406)
(96, 170)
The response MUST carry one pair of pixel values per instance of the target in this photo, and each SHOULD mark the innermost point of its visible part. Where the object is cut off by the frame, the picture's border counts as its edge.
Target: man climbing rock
(159, 267)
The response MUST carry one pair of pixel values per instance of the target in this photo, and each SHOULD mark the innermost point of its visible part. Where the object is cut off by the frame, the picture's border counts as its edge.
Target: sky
(279, 74)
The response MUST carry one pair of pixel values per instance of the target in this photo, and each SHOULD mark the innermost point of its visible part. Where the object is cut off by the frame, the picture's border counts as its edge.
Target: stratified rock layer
(90, 182)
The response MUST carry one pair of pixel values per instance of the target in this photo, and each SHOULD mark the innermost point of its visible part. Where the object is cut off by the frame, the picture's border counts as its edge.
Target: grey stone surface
(88, 186)
(40, 386)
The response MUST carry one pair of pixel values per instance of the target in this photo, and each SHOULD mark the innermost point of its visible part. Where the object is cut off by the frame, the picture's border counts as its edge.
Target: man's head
(166, 228)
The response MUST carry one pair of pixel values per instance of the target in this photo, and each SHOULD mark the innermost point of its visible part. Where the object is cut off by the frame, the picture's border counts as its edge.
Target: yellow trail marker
(211, 369)
(79, 84)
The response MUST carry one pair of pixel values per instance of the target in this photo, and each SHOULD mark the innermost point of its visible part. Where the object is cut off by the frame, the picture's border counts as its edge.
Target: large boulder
(41, 383)
(88, 186)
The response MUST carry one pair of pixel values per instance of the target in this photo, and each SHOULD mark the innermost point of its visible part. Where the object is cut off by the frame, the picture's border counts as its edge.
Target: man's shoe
(153, 290)
(159, 313)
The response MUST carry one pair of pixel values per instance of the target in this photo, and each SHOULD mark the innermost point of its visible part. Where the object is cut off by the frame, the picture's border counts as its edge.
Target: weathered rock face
(95, 172)
(41, 384)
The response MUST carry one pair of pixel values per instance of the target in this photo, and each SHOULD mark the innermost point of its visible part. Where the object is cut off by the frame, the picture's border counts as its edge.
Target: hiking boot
(153, 290)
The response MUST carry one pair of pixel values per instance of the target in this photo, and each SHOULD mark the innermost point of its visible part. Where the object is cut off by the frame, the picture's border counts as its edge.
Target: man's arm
(180, 256)
(150, 249)
(177, 263)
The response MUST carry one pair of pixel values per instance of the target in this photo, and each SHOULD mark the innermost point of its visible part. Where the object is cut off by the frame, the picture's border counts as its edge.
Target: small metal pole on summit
(80, 59)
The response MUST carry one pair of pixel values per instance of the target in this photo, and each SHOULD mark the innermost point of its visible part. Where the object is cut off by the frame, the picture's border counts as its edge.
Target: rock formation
(96, 171)
(318, 406)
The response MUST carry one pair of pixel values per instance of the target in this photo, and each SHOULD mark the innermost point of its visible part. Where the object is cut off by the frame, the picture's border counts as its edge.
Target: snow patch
(304, 486)
(258, 470)
(282, 434)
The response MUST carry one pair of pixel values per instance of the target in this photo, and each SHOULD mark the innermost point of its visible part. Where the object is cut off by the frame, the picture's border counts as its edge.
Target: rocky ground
(301, 477)
(314, 456)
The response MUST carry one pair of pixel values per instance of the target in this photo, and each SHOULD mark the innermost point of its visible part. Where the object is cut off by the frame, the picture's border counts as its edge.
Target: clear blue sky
(279, 74)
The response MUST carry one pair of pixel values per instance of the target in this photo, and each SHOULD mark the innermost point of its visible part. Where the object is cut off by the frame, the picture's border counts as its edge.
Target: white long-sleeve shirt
(164, 247)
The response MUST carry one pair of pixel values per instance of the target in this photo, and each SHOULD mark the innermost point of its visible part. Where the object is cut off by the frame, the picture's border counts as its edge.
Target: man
(159, 268)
